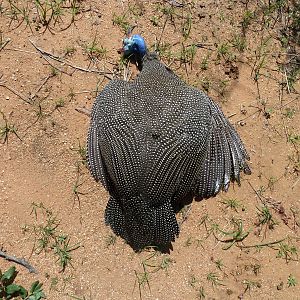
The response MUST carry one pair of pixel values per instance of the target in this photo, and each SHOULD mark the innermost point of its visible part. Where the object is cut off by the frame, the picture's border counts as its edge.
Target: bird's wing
(103, 132)
(226, 156)
(94, 156)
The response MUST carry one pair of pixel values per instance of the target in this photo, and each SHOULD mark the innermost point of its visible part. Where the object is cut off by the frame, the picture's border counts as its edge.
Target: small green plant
(206, 83)
(204, 63)
(287, 251)
(70, 50)
(201, 293)
(110, 240)
(294, 138)
(10, 290)
(214, 279)
(187, 26)
(219, 264)
(296, 216)
(142, 279)
(239, 42)
(187, 54)
(137, 9)
(81, 150)
(232, 203)
(250, 284)
(261, 53)
(291, 281)
(168, 11)
(165, 263)
(193, 281)
(293, 76)
(165, 51)
(122, 22)
(289, 113)
(95, 51)
(51, 13)
(59, 103)
(150, 266)
(7, 129)
(265, 218)
(224, 50)
(76, 191)
(154, 20)
(248, 16)
(63, 250)
(271, 183)
(47, 238)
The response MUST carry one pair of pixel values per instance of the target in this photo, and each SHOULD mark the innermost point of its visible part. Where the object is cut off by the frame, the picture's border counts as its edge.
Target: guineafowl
(153, 142)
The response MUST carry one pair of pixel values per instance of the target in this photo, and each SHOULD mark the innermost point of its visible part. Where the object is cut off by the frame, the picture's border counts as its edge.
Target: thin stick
(162, 32)
(4, 44)
(15, 92)
(84, 92)
(230, 116)
(287, 82)
(42, 84)
(257, 111)
(257, 194)
(297, 98)
(84, 111)
(20, 261)
(295, 183)
(20, 50)
(54, 57)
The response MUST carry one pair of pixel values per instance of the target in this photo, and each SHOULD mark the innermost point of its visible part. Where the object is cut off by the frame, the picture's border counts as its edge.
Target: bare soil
(242, 244)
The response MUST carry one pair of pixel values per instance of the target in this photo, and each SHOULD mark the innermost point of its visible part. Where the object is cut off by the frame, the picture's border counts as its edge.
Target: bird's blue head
(134, 44)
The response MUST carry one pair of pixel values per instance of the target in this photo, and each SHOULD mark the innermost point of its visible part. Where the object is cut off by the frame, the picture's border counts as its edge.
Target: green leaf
(12, 289)
(36, 291)
(35, 287)
(36, 296)
(23, 292)
(9, 274)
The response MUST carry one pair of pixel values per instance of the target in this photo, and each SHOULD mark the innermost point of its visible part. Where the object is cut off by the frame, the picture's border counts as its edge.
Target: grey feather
(151, 143)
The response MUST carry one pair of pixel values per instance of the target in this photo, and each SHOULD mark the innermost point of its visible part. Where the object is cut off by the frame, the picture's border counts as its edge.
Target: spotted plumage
(151, 143)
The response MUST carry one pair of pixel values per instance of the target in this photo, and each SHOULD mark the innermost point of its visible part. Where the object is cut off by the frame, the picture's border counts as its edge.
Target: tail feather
(140, 225)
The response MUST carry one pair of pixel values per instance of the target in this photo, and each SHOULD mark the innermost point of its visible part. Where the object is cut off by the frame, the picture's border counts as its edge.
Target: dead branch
(20, 261)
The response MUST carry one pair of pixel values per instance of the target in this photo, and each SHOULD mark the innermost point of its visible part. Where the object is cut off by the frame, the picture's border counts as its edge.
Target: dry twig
(2, 83)
(20, 261)
(84, 111)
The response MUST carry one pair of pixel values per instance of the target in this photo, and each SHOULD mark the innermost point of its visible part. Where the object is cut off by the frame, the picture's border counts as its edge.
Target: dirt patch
(240, 245)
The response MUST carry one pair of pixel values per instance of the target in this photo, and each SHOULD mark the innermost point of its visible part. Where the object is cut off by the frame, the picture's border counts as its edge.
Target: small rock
(7, 97)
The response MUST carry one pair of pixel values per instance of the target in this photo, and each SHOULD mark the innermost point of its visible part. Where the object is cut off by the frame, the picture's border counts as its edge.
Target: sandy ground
(45, 185)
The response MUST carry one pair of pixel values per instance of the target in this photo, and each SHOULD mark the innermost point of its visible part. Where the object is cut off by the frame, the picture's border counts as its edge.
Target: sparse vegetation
(7, 129)
(214, 279)
(292, 281)
(48, 237)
